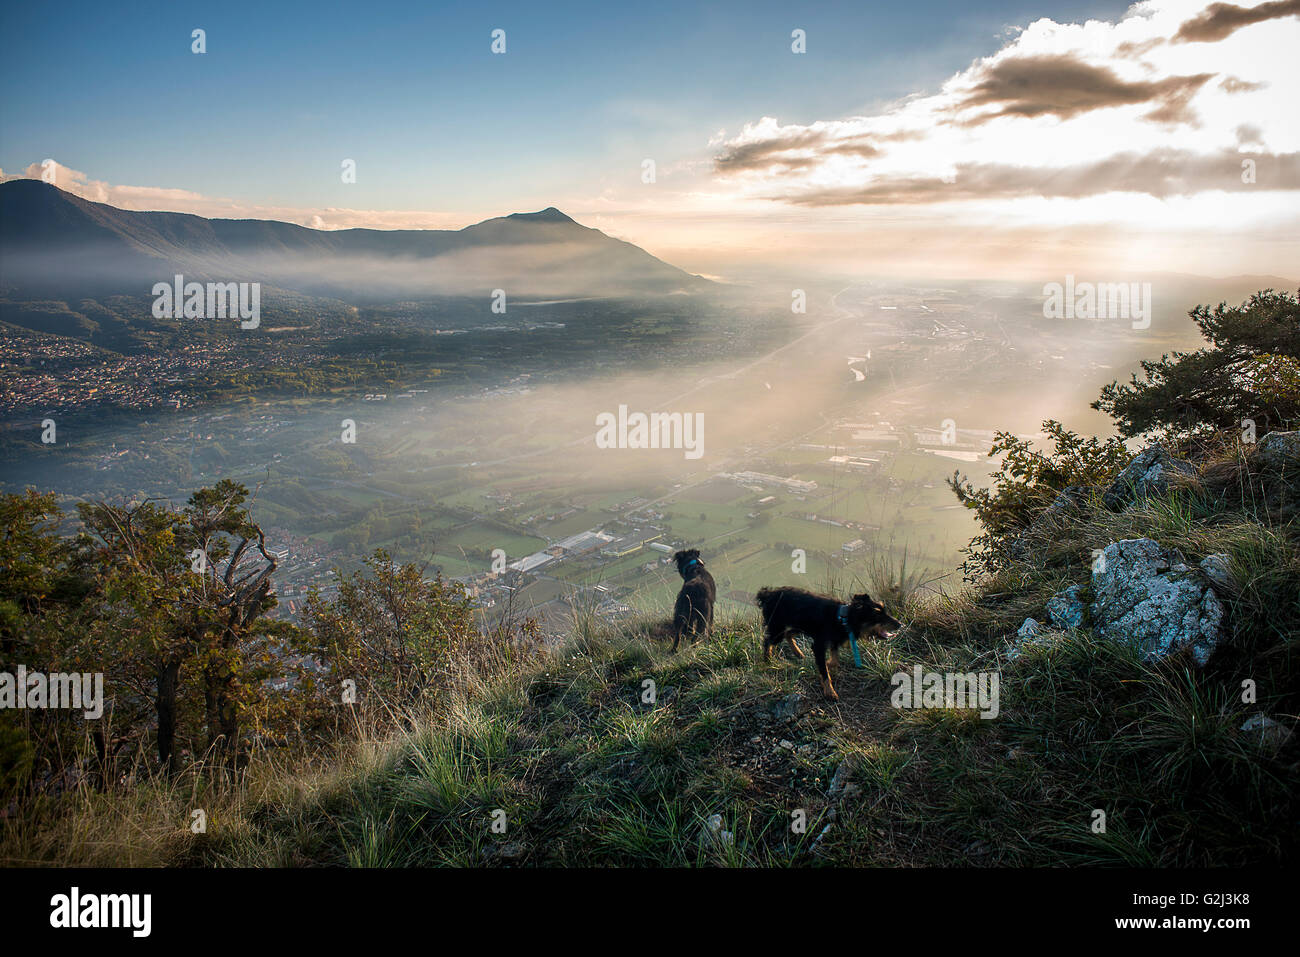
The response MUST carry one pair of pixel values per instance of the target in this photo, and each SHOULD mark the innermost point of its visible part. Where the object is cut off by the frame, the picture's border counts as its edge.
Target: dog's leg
(819, 653)
(794, 643)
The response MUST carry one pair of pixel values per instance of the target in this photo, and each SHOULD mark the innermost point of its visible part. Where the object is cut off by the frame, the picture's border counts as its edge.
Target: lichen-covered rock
(1218, 571)
(1030, 634)
(1028, 630)
(1066, 608)
(1279, 450)
(1142, 599)
(1150, 472)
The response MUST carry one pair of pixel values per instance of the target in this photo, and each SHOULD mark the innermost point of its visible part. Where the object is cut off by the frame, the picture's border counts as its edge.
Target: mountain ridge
(52, 241)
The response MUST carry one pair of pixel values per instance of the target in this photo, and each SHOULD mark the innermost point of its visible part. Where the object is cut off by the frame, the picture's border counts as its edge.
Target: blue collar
(693, 561)
(843, 616)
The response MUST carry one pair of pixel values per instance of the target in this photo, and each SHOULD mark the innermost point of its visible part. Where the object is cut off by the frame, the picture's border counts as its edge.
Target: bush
(1026, 482)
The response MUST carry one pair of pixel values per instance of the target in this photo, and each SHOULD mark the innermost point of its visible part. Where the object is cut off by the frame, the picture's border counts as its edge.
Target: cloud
(1060, 111)
(1232, 84)
(1064, 86)
(187, 201)
(1161, 174)
(799, 149)
(1219, 20)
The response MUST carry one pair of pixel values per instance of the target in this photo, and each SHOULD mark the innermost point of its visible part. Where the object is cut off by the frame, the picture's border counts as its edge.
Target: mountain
(56, 245)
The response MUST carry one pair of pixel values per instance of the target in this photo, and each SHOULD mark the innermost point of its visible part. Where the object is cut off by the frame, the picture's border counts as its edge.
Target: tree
(33, 567)
(395, 633)
(236, 571)
(177, 588)
(1251, 371)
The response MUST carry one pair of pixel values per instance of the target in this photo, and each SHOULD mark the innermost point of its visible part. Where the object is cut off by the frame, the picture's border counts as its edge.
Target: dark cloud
(799, 150)
(763, 154)
(1161, 174)
(1063, 86)
(1218, 20)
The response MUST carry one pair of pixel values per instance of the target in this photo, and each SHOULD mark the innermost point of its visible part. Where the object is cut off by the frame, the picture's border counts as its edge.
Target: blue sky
(412, 92)
(1003, 137)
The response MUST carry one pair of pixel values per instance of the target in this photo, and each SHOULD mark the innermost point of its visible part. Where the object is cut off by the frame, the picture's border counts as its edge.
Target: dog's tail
(660, 631)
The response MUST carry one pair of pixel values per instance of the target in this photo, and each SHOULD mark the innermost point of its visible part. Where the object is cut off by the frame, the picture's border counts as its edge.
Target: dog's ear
(863, 599)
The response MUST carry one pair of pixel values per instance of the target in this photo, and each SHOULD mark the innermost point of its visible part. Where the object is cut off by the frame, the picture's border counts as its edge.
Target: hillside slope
(733, 762)
(612, 751)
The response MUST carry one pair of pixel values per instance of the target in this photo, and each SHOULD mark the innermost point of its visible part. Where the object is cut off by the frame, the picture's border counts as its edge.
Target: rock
(1068, 501)
(1031, 634)
(785, 745)
(508, 853)
(841, 784)
(1266, 732)
(713, 828)
(1140, 599)
(1217, 569)
(1065, 608)
(1027, 634)
(789, 707)
(1151, 472)
(817, 842)
(1279, 450)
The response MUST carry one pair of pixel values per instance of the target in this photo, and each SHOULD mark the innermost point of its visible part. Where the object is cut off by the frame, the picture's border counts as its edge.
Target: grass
(609, 751)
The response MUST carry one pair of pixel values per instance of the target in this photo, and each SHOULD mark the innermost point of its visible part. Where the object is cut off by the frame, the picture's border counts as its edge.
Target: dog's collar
(843, 616)
(693, 561)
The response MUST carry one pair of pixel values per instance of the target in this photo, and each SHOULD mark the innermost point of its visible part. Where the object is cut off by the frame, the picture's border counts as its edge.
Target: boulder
(1142, 597)
(1065, 608)
(1151, 472)
(1279, 450)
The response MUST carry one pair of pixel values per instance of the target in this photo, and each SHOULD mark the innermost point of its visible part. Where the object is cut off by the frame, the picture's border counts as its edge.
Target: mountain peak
(548, 215)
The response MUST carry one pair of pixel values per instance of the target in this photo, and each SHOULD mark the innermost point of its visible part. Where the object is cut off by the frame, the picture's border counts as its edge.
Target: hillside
(54, 245)
(723, 760)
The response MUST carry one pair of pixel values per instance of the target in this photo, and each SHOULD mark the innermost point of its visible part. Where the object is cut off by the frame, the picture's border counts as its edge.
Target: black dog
(694, 610)
(787, 611)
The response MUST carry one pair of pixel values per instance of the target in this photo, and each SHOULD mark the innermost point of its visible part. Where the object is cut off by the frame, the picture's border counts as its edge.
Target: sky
(1003, 139)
